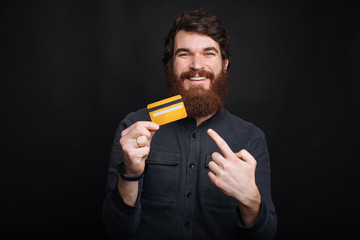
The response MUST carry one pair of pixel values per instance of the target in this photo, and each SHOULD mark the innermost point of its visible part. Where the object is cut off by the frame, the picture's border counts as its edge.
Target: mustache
(197, 73)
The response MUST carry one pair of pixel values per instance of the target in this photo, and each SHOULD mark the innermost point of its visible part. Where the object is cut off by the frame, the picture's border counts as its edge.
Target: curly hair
(198, 21)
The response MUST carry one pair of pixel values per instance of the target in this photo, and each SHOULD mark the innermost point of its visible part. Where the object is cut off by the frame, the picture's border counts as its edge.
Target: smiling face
(197, 59)
(198, 73)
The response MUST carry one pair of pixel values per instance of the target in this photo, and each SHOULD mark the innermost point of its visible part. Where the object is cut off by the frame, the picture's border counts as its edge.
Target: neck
(200, 120)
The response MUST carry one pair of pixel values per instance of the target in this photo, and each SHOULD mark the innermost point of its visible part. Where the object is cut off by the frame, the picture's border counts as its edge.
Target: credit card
(167, 110)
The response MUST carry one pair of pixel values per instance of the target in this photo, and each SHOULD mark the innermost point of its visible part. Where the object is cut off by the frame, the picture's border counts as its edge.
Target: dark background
(71, 70)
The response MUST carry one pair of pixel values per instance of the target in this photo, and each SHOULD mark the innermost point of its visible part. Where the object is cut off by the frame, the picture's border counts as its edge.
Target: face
(198, 74)
(197, 58)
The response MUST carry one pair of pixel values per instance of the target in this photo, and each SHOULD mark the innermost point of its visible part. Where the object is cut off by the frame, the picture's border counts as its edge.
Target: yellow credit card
(167, 110)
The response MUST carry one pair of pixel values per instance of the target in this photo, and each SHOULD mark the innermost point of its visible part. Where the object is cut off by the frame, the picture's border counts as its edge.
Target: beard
(199, 102)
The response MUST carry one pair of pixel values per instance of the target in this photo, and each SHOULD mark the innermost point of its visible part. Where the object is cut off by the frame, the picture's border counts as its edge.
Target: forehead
(194, 41)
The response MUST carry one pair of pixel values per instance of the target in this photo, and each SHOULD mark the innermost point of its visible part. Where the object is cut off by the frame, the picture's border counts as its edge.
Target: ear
(225, 64)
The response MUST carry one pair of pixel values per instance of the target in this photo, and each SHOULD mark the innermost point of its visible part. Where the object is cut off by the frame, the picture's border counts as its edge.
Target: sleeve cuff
(259, 221)
(121, 206)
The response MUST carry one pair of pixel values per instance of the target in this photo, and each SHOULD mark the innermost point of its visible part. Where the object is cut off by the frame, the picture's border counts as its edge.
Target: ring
(138, 142)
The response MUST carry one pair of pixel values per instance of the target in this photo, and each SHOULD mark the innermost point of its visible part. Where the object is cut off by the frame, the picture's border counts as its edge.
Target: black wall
(71, 70)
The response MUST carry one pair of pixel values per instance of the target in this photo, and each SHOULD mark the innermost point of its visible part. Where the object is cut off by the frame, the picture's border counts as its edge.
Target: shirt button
(188, 195)
(187, 224)
(191, 165)
(194, 135)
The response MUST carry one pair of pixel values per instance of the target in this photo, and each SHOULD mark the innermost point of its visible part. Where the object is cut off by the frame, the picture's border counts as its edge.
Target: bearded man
(203, 177)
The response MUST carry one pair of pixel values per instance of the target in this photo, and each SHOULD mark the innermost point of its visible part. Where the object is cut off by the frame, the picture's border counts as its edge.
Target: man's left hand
(234, 174)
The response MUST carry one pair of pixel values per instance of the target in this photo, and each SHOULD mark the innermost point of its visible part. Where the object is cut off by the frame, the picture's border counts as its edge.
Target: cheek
(216, 67)
(178, 67)
(213, 65)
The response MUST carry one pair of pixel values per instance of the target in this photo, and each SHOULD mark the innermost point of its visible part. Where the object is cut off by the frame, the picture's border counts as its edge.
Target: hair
(198, 21)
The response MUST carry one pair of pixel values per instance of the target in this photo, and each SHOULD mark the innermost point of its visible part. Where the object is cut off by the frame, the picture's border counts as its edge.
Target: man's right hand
(135, 143)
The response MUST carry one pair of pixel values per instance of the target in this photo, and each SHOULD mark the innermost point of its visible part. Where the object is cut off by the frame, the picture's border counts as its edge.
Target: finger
(217, 158)
(138, 131)
(139, 126)
(136, 127)
(139, 154)
(246, 156)
(212, 178)
(223, 146)
(143, 152)
(152, 132)
(142, 141)
(214, 168)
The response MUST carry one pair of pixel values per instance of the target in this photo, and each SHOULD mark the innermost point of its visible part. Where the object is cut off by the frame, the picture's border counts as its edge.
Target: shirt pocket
(161, 175)
(211, 195)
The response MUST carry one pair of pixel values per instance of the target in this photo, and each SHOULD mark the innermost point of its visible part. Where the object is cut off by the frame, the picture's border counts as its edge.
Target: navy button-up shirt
(176, 198)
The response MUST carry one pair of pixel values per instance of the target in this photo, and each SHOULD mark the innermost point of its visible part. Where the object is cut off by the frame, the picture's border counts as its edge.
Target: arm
(237, 175)
(121, 207)
(135, 144)
(266, 224)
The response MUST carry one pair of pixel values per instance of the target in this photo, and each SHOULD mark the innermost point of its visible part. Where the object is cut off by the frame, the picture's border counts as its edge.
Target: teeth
(197, 78)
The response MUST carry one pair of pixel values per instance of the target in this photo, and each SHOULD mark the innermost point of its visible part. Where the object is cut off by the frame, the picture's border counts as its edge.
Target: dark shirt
(176, 199)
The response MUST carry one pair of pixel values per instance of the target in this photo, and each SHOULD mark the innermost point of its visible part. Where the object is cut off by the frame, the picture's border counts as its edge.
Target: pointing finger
(223, 146)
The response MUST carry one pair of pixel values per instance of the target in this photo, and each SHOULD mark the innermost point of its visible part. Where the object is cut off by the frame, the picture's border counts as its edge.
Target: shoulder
(242, 126)
(133, 117)
(233, 119)
(250, 136)
(140, 115)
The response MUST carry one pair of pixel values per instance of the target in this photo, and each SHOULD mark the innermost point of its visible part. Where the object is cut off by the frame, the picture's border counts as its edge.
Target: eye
(209, 54)
(184, 54)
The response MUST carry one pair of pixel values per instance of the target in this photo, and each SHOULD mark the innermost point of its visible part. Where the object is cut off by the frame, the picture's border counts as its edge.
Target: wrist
(128, 191)
(128, 177)
(249, 208)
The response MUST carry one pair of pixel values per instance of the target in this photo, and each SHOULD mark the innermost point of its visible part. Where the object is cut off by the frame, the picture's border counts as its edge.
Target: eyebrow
(211, 49)
(188, 50)
(182, 50)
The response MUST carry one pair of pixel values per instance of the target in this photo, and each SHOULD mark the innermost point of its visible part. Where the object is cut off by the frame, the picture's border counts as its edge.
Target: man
(203, 177)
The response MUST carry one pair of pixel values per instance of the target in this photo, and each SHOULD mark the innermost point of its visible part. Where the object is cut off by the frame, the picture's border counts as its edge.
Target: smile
(197, 78)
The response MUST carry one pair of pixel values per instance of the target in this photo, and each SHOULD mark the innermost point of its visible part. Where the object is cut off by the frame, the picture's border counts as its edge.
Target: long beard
(199, 102)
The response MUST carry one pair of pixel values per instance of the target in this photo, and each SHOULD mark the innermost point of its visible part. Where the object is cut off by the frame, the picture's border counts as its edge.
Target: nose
(197, 62)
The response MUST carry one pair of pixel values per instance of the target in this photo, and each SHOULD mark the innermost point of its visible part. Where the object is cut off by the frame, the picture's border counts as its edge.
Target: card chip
(167, 110)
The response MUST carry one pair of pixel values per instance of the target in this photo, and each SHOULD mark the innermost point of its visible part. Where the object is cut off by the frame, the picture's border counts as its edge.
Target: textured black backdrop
(71, 70)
